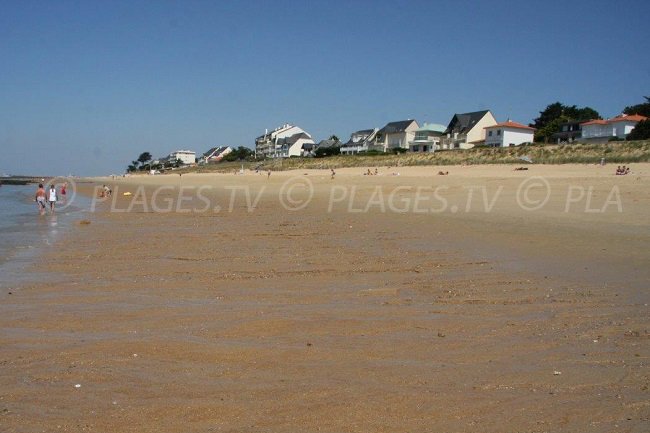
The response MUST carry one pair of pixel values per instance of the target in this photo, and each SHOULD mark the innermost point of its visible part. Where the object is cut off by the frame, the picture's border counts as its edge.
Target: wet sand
(341, 316)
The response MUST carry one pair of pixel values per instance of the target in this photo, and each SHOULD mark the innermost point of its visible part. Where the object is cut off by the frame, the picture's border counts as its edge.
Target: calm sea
(24, 234)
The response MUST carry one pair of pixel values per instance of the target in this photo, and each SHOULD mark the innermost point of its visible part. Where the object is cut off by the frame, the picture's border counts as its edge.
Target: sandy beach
(485, 300)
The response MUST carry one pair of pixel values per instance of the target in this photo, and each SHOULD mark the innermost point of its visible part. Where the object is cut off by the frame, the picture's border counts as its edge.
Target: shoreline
(261, 318)
(30, 236)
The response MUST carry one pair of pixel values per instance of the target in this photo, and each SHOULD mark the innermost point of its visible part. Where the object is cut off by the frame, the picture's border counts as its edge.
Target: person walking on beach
(268, 175)
(65, 185)
(52, 197)
(39, 198)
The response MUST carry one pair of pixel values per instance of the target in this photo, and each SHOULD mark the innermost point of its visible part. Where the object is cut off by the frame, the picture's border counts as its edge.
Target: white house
(216, 154)
(427, 138)
(467, 130)
(296, 145)
(284, 141)
(395, 135)
(602, 130)
(506, 134)
(359, 141)
(185, 156)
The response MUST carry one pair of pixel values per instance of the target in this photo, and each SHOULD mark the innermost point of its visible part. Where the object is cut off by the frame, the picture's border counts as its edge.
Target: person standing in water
(52, 197)
(39, 198)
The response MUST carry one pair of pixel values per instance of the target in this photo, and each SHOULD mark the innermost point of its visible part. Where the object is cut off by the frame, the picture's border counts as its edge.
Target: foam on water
(24, 234)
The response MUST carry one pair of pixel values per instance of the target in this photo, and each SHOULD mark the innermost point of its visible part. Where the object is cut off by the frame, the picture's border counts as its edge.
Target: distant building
(284, 141)
(215, 154)
(569, 132)
(507, 134)
(359, 141)
(467, 130)
(185, 156)
(427, 138)
(395, 135)
(323, 144)
(603, 130)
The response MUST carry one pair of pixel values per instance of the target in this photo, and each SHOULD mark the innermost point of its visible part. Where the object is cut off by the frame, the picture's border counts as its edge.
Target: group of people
(370, 173)
(50, 197)
(622, 171)
(105, 192)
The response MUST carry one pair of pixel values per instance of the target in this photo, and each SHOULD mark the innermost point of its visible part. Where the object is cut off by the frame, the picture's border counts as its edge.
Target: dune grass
(613, 152)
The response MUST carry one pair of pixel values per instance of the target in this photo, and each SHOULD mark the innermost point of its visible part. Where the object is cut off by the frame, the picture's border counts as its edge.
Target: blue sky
(85, 86)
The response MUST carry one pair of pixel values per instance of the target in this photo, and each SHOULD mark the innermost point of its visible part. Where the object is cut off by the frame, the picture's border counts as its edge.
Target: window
(490, 134)
(498, 132)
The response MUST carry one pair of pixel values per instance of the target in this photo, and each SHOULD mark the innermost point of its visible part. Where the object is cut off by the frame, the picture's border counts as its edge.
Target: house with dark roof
(359, 141)
(299, 144)
(466, 130)
(569, 132)
(284, 141)
(395, 135)
(215, 154)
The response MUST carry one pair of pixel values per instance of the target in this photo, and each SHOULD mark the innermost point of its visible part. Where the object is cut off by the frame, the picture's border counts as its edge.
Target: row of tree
(551, 119)
(143, 162)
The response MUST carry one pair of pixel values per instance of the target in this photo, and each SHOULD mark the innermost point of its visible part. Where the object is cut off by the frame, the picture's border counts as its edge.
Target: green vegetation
(641, 131)
(642, 109)
(322, 152)
(613, 152)
(242, 153)
(143, 162)
(549, 120)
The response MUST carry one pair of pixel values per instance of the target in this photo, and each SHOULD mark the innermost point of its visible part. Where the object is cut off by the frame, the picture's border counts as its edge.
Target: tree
(239, 154)
(641, 131)
(327, 151)
(334, 138)
(143, 159)
(555, 114)
(642, 109)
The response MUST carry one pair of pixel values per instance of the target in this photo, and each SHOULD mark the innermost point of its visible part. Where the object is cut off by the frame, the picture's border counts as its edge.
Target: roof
(435, 127)
(464, 122)
(595, 122)
(363, 132)
(215, 150)
(510, 124)
(329, 143)
(628, 118)
(619, 118)
(294, 138)
(396, 127)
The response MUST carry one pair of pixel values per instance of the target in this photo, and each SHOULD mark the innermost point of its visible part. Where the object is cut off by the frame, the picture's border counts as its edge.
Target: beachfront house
(599, 131)
(568, 133)
(215, 154)
(427, 138)
(507, 134)
(284, 141)
(395, 135)
(359, 141)
(186, 157)
(466, 130)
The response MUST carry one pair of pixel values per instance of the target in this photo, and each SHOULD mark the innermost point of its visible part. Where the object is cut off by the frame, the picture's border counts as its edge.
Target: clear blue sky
(86, 86)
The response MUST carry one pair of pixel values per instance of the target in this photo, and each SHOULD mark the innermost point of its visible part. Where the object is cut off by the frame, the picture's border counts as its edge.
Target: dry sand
(378, 307)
